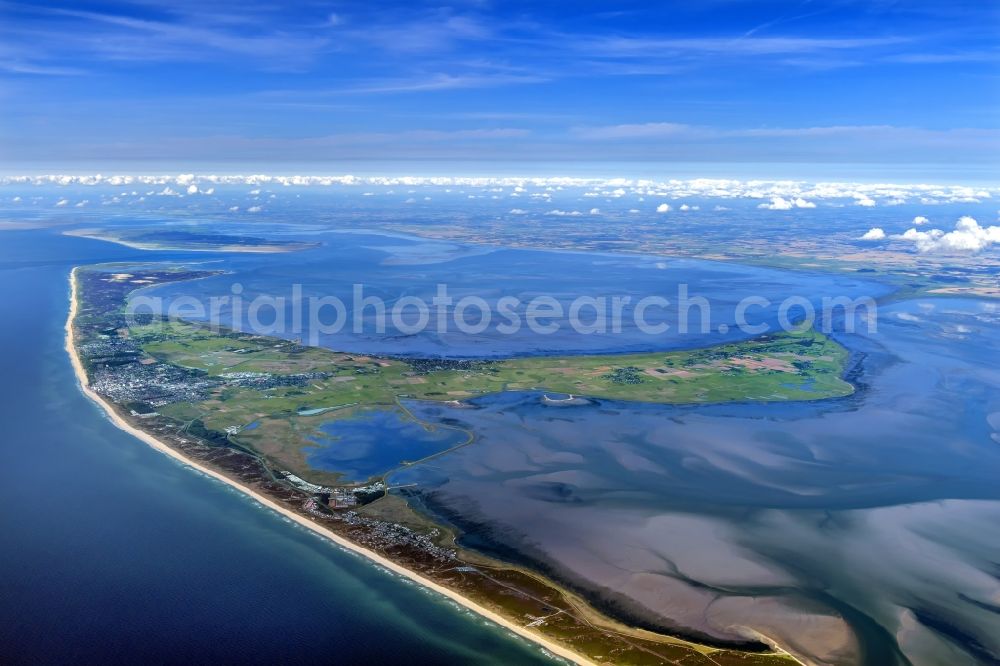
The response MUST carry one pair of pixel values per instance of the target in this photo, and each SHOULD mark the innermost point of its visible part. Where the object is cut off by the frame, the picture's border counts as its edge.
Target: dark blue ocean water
(113, 552)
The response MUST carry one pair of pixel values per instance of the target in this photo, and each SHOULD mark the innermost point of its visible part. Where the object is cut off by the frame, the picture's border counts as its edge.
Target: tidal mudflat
(860, 528)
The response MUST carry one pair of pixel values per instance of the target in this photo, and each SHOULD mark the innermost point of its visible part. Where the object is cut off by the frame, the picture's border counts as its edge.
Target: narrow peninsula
(246, 410)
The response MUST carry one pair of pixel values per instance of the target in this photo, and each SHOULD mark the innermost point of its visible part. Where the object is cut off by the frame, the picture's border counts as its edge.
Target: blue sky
(187, 82)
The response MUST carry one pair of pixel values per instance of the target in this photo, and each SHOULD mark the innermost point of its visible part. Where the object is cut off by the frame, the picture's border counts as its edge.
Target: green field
(803, 365)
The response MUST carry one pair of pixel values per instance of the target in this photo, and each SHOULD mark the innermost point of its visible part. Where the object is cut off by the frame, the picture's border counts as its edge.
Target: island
(253, 411)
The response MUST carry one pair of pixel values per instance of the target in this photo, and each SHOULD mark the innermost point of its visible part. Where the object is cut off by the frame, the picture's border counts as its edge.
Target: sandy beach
(154, 246)
(81, 375)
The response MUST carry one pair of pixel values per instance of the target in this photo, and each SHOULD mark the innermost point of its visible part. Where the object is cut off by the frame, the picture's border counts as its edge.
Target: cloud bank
(780, 203)
(774, 195)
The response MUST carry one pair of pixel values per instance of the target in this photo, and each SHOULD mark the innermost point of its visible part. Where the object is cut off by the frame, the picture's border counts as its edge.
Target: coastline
(118, 421)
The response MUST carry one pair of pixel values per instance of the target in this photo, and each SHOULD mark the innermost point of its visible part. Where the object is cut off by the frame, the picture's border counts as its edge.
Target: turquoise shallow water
(113, 552)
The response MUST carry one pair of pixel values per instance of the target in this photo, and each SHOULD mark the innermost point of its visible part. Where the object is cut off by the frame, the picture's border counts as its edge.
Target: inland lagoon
(374, 442)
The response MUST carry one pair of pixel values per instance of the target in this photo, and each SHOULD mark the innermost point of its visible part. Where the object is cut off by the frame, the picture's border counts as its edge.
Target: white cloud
(62, 202)
(254, 209)
(968, 236)
(564, 213)
(778, 203)
(518, 211)
(233, 209)
(920, 219)
(864, 200)
(595, 211)
(875, 233)
(663, 208)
